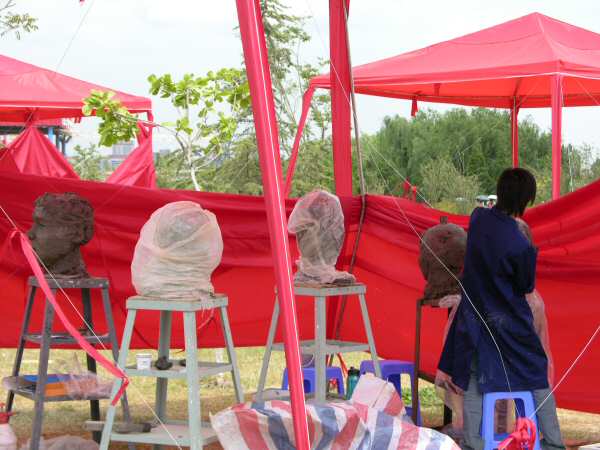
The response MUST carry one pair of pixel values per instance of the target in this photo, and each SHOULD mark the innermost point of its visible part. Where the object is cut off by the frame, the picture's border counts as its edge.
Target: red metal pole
(263, 108)
(340, 98)
(556, 135)
(306, 100)
(514, 127)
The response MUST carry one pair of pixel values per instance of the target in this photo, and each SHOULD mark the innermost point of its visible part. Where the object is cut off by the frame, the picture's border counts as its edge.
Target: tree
(11, 22)
(208, 109)
(87, 162)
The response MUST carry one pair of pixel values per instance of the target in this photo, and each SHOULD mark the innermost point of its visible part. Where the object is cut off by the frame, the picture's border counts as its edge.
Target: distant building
(119, 152)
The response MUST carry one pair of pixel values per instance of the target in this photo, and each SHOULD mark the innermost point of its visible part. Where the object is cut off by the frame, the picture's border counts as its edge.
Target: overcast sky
(121, 42)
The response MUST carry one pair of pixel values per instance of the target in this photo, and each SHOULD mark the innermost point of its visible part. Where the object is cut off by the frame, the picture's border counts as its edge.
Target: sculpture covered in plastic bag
(318, 223)
(448, 242)
(62, 223)
(179, 248)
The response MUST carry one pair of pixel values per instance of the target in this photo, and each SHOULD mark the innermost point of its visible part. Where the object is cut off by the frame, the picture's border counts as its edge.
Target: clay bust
(62, 223)
(449, 243)
(318, 223)
(179, 248)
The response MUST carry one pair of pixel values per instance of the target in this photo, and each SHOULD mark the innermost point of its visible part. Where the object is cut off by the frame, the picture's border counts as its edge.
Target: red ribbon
(523, 438)
(110, 366)
(414, 109)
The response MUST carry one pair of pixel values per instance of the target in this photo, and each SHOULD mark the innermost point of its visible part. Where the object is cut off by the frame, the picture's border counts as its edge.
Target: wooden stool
(191, 433)
(321, 347)
(46, 339)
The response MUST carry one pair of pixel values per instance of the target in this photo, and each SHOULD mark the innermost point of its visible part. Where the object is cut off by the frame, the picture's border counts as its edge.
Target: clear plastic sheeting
(318, 223)
(179, 248)
(65, 443)
(81, 384)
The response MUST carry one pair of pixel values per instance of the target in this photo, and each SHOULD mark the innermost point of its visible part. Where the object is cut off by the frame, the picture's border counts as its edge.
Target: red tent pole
(306, 100)
(514, 128)
(263, 108)
(340, 98)
(556, 134)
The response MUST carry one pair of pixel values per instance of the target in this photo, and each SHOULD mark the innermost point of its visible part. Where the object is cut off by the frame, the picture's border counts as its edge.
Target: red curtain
(33, 153)
(566, 230)
(138, 168)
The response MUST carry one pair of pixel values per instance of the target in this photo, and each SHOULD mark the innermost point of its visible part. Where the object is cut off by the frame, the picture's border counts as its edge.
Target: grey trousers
(547, 419)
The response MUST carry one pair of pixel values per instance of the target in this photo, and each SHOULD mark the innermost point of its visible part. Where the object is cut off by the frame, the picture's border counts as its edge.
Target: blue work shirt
(499, 270)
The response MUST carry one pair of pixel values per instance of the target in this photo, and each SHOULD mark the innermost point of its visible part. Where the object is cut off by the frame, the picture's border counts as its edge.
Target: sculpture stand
(46, 339)
(435, 303)
(191, 433)
(321, 347)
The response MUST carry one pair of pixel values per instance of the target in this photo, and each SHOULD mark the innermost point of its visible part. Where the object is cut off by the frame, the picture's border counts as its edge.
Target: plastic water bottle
(8, 438)
(353, 376)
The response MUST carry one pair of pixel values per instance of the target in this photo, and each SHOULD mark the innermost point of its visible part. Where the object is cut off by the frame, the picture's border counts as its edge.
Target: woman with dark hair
(492, 345)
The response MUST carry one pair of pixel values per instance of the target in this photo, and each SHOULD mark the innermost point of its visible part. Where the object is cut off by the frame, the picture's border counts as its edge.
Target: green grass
(68, 417)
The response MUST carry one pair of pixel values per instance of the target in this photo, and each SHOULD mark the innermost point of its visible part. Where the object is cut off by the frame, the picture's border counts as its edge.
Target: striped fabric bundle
(379, 424)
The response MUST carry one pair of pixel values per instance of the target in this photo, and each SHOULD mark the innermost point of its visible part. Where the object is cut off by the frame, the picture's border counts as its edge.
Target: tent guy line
(585, 347)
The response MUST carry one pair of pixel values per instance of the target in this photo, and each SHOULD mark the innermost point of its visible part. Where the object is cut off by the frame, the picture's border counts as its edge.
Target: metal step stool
(47, 339)
(191, 433)
(321, 347)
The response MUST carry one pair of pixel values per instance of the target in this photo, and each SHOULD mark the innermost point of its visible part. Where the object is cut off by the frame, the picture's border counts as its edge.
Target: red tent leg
(514, 127)
(263, 108)
(556, 135)
(340, 98)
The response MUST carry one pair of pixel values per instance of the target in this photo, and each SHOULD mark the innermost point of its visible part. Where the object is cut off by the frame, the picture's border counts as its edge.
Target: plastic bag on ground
(65, 443)
(318, 223)
(179, 248)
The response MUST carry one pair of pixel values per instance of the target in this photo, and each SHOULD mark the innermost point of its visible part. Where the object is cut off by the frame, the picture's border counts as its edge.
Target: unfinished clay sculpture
(62, 223)
(318, 223)
(179, 248)
(441, 269)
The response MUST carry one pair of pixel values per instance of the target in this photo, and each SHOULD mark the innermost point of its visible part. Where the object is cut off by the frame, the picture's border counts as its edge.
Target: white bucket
(144, 361)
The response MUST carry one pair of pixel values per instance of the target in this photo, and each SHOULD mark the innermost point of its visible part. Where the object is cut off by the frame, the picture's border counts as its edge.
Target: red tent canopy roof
(494, 67)
(27, 89)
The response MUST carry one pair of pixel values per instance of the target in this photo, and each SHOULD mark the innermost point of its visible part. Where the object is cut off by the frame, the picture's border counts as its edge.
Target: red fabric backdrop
(33, 153)
(565, 230)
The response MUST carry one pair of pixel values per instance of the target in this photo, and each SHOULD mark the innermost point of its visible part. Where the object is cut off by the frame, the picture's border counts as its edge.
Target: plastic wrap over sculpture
(318, 223)
(177, 252)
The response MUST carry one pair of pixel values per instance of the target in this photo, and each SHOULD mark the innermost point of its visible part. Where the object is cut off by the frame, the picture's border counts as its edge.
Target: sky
(118, 43)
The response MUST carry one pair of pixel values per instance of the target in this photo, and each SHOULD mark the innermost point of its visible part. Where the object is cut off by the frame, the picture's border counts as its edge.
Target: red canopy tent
(30, 92)
(531, 62)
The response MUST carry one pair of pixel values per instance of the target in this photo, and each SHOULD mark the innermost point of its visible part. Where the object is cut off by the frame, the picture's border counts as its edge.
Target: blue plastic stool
(525, 408)
(309, 376)
(392, 370)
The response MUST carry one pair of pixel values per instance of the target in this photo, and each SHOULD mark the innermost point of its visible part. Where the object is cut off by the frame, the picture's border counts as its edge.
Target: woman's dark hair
(516, 189)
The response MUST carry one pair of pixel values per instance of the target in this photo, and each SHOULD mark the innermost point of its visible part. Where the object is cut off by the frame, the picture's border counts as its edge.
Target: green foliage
(87, 162)
(118, 124)
(314, 168)
(285, 35)
(209, 109)
(461, 153)
(11, 22)
(444, 187)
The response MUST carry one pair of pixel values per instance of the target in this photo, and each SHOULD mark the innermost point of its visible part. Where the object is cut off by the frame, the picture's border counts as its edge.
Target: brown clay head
(62, 223)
